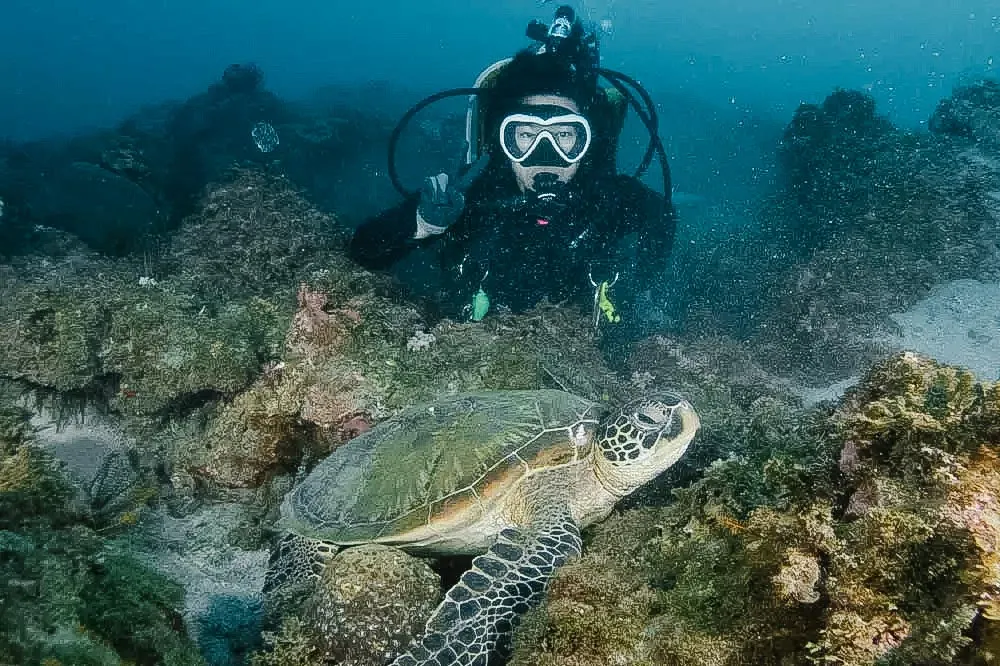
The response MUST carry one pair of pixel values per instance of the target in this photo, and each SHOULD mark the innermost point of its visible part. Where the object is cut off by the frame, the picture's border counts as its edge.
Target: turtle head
(643, 439)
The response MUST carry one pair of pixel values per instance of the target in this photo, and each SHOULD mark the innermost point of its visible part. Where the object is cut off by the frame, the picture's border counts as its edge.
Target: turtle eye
(646, 421)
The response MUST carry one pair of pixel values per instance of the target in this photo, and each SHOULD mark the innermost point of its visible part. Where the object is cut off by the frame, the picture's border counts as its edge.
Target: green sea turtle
(510, 476)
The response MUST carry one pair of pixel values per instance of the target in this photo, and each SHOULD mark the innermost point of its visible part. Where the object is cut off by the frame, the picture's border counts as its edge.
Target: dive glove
(442, 201)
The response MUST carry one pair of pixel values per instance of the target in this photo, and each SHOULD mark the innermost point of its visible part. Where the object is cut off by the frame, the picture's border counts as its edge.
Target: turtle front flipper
(295, 566)
(478, 615)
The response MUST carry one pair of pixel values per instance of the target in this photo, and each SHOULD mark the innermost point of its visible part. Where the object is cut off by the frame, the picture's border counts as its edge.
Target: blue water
(67, 65)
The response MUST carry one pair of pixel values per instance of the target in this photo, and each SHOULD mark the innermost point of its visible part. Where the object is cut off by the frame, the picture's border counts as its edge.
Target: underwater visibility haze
(329, 335)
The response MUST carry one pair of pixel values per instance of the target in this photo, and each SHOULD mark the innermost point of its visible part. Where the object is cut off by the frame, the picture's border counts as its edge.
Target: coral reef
(861, 534)
(854, 533)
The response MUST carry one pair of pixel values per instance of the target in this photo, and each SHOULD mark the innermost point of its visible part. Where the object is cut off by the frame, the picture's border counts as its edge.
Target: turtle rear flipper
(478, 615)
(294, 569)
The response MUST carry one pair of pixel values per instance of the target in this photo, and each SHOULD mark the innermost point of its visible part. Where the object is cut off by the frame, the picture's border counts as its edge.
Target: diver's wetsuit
(530, 256)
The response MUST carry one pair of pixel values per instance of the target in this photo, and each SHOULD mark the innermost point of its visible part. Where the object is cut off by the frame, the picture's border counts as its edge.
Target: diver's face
(547, 144)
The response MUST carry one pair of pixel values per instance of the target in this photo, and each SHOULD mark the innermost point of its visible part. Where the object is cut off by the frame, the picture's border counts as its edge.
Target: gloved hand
(442, 201)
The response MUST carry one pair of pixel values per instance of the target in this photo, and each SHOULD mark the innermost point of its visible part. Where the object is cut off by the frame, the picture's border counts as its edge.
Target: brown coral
(315, 333)
(371, 602)
(250, 438)
(799, 577)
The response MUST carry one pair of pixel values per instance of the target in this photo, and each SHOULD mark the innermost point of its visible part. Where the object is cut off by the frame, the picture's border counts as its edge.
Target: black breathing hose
(651, 108)
(404, 121)
(650, 120)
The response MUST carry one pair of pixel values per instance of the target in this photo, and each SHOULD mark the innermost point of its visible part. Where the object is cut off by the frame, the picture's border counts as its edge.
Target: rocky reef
(971, 113)
(864, 220)
(68, 594)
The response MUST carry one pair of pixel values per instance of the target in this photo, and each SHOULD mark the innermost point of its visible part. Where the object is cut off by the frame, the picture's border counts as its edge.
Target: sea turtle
(510, 476)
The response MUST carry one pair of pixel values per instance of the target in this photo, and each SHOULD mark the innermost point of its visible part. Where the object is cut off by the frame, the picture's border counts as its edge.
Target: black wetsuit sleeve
(384, 239)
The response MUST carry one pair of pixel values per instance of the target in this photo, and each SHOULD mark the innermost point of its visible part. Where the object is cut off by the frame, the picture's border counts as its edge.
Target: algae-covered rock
(266, 238)
(51, 329)
(866, 218)
(878, 547)
(255, 434)
(598, 608)
(972, 112)
(923, 214)
(164, 351)
(704, 579)
(189, 323)
(917, 560)
(546, 347)
(68, 598)
(84, 325)
(31, 488)
(67, 595)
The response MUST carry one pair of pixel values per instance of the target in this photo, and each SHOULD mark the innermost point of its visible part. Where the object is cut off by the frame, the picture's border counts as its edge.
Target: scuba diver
(539, 211)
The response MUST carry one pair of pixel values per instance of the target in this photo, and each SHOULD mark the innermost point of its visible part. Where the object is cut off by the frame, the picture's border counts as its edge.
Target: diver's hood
(610, 116)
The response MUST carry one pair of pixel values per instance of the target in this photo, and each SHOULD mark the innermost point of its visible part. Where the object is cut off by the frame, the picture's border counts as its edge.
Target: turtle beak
(677, 434)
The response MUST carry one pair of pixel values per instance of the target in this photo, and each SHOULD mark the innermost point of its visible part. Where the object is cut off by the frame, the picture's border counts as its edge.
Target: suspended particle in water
(265, 137)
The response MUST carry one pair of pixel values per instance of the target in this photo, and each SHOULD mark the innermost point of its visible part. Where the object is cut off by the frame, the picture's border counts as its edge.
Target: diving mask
(545, 136)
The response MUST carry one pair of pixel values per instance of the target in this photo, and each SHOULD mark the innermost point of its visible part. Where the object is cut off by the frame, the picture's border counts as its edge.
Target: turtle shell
(442, 463)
